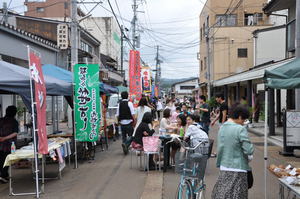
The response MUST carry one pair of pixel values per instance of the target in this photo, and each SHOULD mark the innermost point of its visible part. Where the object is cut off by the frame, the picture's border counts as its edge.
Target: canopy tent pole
(266, 142)
(34, 136)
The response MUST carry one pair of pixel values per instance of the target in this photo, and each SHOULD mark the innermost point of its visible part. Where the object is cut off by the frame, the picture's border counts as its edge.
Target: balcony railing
(290, 35)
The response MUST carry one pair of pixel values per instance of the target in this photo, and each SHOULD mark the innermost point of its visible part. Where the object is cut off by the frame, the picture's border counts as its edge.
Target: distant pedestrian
(125, 114)
(204, 113)
(159, 108)
(9, 129)
(234, 152)
(223, 110)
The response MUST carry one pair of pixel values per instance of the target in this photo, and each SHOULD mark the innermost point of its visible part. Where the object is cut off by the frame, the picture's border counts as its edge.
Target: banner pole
(34, 132)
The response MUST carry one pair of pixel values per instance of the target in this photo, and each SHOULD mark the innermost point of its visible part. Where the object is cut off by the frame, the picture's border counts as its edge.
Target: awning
(15, 80)
(276, 5)
(108, 89)
(122, 88)
(255, 73)
(286, 76)
(65, 75)
(59, 73)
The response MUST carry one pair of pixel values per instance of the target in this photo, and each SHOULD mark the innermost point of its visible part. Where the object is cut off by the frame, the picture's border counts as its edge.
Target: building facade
(185, 87)
(226, 40)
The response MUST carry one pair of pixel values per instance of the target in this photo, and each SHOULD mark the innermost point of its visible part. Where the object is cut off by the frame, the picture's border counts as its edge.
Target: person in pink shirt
(175, 114)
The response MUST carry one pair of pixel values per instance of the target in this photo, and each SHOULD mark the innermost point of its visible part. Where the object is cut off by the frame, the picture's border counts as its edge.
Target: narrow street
(109, 176)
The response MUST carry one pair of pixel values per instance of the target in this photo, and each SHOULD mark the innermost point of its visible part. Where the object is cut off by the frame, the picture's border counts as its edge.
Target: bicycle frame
(193, 181)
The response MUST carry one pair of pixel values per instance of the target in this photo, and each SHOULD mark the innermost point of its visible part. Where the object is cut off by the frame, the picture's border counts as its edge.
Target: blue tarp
(65, 75)
(57, 72)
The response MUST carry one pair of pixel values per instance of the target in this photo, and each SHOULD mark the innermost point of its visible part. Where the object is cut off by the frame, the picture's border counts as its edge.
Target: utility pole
(74, 57)
(134, 38)
(158, 71)
(297, 91)
(208, 65)
(5, 13)
(122, 51)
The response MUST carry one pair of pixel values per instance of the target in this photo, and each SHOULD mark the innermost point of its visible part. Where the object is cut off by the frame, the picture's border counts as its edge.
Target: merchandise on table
(284, 171)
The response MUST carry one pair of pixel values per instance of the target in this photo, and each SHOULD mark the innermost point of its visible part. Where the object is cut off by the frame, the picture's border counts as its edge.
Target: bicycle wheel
(185, 191)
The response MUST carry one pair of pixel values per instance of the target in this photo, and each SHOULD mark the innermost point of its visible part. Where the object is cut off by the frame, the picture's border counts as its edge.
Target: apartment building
(226, 39)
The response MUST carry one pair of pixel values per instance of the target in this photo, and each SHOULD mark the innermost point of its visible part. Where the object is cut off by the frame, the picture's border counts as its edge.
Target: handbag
(250, 179)
(151, 143)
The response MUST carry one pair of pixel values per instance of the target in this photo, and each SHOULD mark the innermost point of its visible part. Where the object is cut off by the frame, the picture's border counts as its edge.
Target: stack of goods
(289, 174)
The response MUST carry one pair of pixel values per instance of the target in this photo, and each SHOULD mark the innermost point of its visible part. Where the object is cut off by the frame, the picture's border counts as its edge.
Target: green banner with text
(86, 102)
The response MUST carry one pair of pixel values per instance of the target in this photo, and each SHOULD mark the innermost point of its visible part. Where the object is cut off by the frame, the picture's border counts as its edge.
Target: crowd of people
(192, 120)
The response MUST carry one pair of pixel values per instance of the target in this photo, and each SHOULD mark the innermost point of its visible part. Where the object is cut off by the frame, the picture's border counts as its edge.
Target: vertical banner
(146, 79)
(87, 102)
(135, 87)
(36, 74)
(156, 91)
(153, 90)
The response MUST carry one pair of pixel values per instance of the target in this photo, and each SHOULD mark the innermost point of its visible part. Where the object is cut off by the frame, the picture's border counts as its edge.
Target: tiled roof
(28, 35)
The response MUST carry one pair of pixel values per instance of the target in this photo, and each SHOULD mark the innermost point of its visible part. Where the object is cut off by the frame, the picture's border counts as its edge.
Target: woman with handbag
(234, 151)
(144, 129)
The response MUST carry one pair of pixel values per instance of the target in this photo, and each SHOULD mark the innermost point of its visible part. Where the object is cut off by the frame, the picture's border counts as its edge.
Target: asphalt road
(256, 192)
(109, 177)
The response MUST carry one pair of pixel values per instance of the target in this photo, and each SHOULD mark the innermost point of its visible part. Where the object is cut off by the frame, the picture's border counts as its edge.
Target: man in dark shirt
(222, 116)
(204, 114)
(9, 128)
(125, 114)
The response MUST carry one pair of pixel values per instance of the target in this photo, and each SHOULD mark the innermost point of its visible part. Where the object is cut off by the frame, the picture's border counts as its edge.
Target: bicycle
(191, 164)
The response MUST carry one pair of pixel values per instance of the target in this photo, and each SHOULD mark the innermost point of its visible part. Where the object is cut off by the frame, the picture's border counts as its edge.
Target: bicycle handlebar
(187, 148)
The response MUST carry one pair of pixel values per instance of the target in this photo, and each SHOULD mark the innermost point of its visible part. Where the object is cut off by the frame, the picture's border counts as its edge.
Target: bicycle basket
(192, 163)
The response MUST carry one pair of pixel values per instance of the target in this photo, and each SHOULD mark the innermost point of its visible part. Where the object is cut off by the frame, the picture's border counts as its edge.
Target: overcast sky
(171, 24)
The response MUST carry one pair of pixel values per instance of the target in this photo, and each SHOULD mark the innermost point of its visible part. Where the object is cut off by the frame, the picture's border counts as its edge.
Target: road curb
(270, 139)
(154, 186)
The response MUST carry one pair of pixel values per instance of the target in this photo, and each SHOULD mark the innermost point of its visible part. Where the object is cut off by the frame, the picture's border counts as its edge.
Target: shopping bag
(151, 143)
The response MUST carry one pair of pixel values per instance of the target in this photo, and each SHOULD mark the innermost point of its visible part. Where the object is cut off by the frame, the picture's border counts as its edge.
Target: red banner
(40, 99)
(146, 79)
(135, 86)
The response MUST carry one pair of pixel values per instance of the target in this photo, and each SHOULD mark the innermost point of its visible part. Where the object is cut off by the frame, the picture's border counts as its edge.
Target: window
(290, 33)
(207, 22)
(201, 68)
(187, 87)
(40, 9)
(200, 34)
(205, 63)
(253, 19)
(203, 30)
(226, 20)
(242, 52)
(85, 47)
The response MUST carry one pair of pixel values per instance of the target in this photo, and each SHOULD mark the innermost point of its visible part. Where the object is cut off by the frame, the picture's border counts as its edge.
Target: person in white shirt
(194, 132)
(126, 117)
(159, 108)
(141, 110)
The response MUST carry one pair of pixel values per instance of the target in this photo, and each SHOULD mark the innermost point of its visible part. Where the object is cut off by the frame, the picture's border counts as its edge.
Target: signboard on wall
(292, 128)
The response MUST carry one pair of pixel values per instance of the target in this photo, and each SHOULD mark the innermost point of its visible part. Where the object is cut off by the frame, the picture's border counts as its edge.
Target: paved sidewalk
(259, 129)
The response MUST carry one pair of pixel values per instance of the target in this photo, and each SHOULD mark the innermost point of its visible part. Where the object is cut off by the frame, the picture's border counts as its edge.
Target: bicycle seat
(197, 157)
